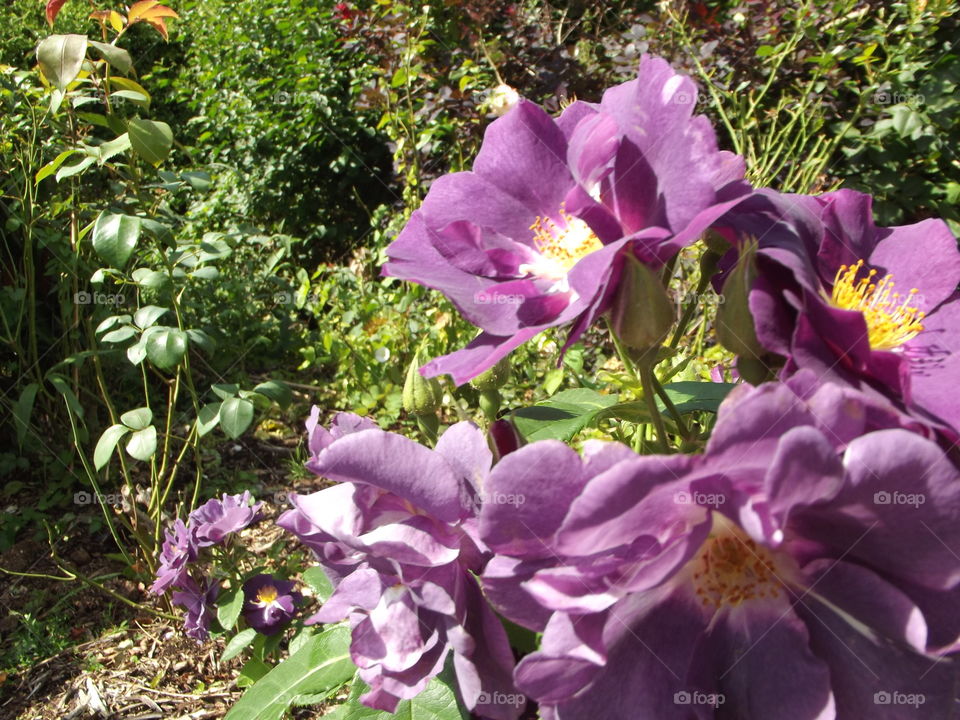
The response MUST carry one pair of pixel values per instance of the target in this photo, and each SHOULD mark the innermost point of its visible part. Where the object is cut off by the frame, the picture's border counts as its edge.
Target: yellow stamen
(891, 318)
(267, 594)
(563, 245)
(732, 569)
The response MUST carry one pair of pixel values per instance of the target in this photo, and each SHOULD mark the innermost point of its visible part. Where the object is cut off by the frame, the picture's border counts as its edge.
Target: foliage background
(320, 126)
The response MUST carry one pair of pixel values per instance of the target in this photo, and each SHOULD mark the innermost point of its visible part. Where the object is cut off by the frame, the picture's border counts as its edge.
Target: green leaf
(145, 277)
(148, 315)
(225, 391)
(322, 663)
(62, 386)
(229, 606)
(137, 419)
(208, 418)
(300, 639)
(118, 57)
(137, 93)
(24, 409)
(563, 416)
(277, 391)
(119, 335)
(115, 237)
(165, 346)
(118, 145)
(201, 340)
(152, 140)
(252, 671)
(438, 701)
(236, 414)
(138, 351)
(143, 443)
(61, 57)
(694, 396)
(318, 581)
(71, 170)
(238, 643)
(107, 444)
(208, 272)
(51, 167)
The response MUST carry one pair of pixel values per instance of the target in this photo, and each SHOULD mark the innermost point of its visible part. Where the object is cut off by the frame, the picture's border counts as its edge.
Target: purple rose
(536, 234)
(179, 549)
(216, 519)
(867, 306)
(198, 600)
(395, 533)
(269, 603)
(804, 567)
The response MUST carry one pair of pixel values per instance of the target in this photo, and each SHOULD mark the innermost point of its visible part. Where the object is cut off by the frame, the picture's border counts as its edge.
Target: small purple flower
(395, 535)
(269, 603)
(859, 304)
(179, 548)
(804, 568)
(198, 600)
(216, 519)
(536, 234)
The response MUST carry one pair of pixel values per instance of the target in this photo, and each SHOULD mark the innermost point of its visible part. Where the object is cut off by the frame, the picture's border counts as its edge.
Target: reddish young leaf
(53, 8)
(139, 8)
(160, 26)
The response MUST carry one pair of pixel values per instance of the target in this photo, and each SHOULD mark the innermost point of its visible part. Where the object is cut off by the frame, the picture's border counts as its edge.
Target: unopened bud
(735, 328)
(494, 378)
(642, 314)
(421, 396)
(503, 438)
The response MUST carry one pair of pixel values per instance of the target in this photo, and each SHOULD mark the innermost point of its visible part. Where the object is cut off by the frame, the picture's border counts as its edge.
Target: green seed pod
(642, 314)
(494, 378)
(735, 328)
(421, 396)
(490, 403)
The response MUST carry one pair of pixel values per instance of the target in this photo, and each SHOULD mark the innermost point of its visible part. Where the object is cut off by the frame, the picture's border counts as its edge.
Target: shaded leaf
(115, 237)
(107, 444)
(61, 57)
(152, 140)
(236, 414)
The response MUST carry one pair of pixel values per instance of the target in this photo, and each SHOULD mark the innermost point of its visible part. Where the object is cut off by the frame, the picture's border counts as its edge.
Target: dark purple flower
(216, 519)
(269, 603)
(535, 235)
(805, 567)
(179, 548)
(198, 600)
(872, 307)
(395, 534)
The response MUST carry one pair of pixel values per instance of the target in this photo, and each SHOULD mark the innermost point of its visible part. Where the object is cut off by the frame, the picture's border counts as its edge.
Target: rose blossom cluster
(804, 566)
(268, 602)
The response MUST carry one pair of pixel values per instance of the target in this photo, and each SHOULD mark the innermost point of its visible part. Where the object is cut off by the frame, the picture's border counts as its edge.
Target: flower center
(891, 318)
(266, 595)
(561, 244)
(731, 569)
